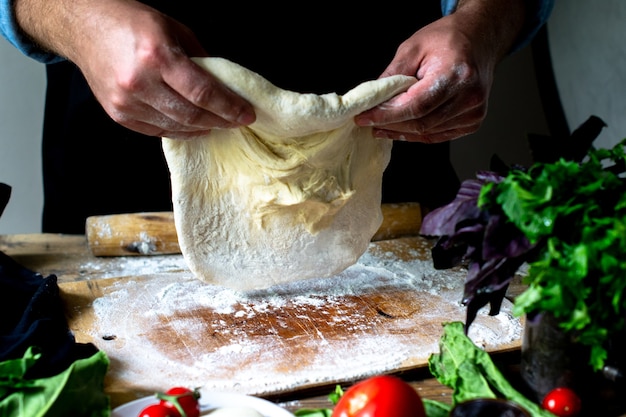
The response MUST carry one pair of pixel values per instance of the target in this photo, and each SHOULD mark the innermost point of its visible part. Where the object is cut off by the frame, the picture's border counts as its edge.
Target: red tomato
(185, 397)
(562, 402)
(156, 410)
(380, 396)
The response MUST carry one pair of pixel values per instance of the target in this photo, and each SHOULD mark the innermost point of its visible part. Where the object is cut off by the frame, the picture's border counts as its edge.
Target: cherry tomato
(380, 396)
(156, 410)
(186, 398)
(562, 402)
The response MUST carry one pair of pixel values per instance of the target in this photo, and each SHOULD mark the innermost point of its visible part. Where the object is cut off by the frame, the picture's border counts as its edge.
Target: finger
(457, 114)
(429, 137)
(171, 116)
(186, 135)
(162, 108)
(417, 102)
(202, 90)
(152, 122)
(180, 114)
(436, 122)
(440, 137)
(155, 131)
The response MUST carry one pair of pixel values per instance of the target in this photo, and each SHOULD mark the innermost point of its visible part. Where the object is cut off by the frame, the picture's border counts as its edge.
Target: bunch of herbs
(566, 219)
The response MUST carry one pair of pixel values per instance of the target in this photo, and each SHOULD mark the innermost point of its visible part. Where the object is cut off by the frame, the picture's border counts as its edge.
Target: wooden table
(60, 255)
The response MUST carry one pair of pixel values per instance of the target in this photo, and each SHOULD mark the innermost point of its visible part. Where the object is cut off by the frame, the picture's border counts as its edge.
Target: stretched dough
(295, 195)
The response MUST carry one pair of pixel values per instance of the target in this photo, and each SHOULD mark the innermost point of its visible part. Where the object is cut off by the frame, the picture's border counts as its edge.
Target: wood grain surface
(85, 279)
(164, 327)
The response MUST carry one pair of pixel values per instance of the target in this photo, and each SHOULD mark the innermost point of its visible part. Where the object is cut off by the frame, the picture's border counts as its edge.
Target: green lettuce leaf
(77, 391)
(470, 372)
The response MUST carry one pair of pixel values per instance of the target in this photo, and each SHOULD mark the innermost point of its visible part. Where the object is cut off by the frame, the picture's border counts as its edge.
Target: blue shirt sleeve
(448, 6)
(537, 13)
(11, 32)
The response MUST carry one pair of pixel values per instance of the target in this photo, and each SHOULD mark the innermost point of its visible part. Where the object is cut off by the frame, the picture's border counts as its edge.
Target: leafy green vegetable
(313, 412)
(436, 408)
(566, 218)
(334, 396)
(333, 399)
(576, 214)
(55, 396)
(471, 373)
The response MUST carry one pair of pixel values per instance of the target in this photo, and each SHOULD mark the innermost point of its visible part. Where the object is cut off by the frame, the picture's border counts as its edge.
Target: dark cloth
(93, 166)
(32, 315)
(5, 195)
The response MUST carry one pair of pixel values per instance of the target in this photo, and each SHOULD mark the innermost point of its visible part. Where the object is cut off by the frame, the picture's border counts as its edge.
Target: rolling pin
(154, 233)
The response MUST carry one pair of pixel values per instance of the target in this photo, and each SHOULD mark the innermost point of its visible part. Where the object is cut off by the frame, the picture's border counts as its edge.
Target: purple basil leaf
(478, 302)
(450, 251)
(503, 239)
(493, 247)
(447, 255)
(489, 176)
(443, 220)
(487, 283)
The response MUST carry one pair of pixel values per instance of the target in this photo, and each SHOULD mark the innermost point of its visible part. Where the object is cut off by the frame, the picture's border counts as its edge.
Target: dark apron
(92, 165)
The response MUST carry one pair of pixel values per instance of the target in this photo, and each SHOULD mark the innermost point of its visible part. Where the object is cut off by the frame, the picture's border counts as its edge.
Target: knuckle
(119, 115)
(129, 81)
(203, 94)
(118, 106)
(466, 73)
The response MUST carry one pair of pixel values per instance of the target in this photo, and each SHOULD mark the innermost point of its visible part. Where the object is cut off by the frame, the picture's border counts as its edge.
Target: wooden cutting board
(162, 327)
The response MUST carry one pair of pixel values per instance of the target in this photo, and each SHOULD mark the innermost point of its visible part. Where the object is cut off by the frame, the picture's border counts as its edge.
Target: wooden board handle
(399, 220)
(154, 233)
(150, 233)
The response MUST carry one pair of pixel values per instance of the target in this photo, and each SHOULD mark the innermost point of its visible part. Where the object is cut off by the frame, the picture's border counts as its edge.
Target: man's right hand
(137, 62)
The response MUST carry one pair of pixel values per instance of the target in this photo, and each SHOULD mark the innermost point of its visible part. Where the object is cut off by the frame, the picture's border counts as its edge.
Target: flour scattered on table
(128, 266)
(380, 315)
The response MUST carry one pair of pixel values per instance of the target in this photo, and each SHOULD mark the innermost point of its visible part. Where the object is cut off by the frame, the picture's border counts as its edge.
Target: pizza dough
(295, 195)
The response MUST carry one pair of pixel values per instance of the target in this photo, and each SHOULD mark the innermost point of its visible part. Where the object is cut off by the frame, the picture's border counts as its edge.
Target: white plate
(208, 401)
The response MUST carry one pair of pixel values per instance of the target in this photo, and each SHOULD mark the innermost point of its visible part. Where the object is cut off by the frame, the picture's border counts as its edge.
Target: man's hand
(137, 62)
(454, 59)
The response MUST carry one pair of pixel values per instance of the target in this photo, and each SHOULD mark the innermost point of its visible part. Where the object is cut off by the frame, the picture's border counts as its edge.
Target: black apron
(93, 166)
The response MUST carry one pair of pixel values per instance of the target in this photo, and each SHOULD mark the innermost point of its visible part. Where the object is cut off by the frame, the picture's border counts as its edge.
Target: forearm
(11, 31)
(44, 23)
(535, 15)
(496, 24)
(71, 28)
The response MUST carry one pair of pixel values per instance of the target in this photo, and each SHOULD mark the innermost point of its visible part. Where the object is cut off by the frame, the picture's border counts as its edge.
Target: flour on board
(379, 315)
